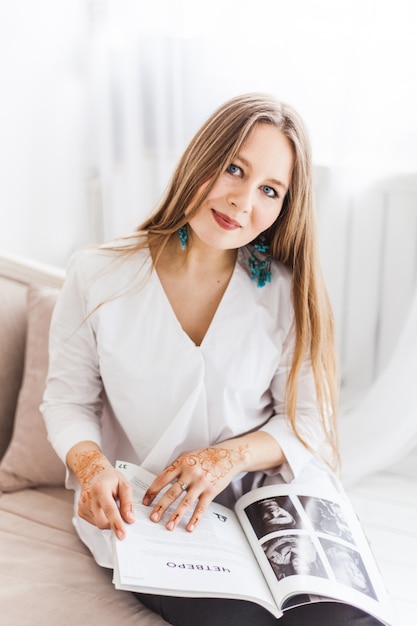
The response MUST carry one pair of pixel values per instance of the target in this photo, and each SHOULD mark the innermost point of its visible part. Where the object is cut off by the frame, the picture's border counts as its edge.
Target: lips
(224, 221)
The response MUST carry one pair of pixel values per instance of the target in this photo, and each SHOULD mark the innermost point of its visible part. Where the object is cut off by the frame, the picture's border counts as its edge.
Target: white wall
(42, 128)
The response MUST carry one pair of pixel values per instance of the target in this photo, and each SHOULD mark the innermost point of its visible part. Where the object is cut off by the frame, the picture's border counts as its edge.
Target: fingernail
(171, 525)
(130, 516)
(119, 534)
(155, 517)
(191, 527)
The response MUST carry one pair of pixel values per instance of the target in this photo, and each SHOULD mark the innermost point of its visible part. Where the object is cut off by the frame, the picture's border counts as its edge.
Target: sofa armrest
(27, 271)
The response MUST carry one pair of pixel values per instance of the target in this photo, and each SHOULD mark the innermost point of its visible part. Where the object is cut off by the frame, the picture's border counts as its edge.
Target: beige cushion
(47, 576)
(30, 460)
(12, 342)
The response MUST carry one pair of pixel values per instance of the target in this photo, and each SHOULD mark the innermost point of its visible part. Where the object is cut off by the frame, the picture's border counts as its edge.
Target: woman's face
(248, 197)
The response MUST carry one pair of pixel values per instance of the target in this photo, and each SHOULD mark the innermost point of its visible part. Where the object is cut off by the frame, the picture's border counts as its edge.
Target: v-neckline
(220, 305)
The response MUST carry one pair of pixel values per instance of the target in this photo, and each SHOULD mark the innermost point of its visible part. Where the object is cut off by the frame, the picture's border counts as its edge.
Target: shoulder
(105, 270)
(95, 261)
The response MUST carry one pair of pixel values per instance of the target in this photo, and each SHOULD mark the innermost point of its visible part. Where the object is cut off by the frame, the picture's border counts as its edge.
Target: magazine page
(213, 561)
(309, 541)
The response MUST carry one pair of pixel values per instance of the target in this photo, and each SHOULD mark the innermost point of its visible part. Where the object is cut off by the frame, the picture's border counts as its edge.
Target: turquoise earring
(183, 235)
(260, 267)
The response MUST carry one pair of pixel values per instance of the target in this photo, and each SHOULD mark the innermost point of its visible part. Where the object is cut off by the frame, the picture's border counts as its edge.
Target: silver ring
(183, 486)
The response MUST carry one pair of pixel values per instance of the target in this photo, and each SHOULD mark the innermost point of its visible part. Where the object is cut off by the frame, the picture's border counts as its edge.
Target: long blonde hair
(292, 238)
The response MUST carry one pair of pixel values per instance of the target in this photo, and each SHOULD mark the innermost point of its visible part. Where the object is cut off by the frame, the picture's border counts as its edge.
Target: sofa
(47, 576)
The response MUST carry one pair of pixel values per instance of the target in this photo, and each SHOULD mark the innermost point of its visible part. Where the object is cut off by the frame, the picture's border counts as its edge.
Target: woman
(207, 334)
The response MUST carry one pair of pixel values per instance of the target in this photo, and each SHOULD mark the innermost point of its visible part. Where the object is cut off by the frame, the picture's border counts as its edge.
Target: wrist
(256, 451)
(234, 455)
(86, 460)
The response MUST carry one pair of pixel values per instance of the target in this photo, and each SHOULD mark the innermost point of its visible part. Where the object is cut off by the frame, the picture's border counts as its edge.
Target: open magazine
(282, 546)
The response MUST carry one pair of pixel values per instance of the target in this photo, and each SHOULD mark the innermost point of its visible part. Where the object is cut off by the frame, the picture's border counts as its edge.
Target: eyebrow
(273, 180)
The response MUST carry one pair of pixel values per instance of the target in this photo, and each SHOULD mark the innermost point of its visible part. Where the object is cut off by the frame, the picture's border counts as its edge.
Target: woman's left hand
(198, 477)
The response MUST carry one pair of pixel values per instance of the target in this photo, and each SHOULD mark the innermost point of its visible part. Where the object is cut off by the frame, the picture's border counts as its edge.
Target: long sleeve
(307, 415)
(72, 402)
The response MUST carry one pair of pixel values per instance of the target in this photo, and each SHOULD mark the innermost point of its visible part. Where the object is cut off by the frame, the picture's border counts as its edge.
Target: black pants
(215, 612)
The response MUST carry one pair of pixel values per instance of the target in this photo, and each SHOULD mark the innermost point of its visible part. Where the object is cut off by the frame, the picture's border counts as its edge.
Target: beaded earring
(260, 268)
(183, 235)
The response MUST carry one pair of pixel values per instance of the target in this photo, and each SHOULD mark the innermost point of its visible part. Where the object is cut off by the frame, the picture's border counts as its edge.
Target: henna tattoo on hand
(215, 462)
(87, 465)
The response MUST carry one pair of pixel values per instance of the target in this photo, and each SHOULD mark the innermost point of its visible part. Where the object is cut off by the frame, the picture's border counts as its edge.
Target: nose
(242, 198)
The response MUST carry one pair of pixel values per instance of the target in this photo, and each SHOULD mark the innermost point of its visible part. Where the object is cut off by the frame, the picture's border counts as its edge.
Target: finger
(113, 516)
(98, 519)
(104, 505)
(91, 513)
(198, 513)
(182, 509)
(85, 515)
(167, 499)
(158, 484)
(125, 502)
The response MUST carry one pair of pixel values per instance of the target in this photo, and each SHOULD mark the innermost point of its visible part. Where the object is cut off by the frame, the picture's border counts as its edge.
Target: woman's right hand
(106, 496)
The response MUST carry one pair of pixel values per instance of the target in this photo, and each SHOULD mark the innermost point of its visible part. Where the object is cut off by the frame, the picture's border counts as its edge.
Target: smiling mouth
(224, 221)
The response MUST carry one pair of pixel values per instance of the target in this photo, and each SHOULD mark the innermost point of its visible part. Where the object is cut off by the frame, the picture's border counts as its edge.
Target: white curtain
(136, 108)
(382, 427)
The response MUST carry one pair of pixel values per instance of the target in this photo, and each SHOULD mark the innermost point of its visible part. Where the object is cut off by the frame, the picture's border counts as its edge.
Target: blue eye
(233, 169)
(269, 191)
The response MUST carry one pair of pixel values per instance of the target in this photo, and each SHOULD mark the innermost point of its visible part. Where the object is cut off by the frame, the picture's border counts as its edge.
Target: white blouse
(115, 341)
